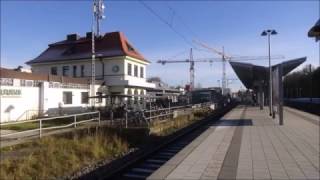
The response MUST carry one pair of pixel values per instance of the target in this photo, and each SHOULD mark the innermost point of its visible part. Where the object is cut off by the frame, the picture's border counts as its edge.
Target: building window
(6, 81)
(54, 71)
(129, 69)
(141, 72)
(29, 83)
(99, 100)
(65, 70)
(135, 70)
(67, 97)
(22, 82)
(74, 71)
(84, 97)
(82, 70)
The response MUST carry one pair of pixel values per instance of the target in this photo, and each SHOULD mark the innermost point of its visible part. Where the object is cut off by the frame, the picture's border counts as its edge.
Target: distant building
(162, 89)
(201, 95)
(118, 64)
(27, 95)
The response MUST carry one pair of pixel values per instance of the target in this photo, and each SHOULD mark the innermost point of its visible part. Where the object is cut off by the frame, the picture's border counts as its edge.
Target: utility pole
(191, 70)
(98, 10)
(223, 72)
(311, 79)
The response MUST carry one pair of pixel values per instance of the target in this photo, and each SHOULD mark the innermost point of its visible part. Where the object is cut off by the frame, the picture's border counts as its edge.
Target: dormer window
(130, 48)
(70, 50)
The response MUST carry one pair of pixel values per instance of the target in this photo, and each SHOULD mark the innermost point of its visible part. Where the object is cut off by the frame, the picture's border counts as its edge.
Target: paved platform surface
(247, 144)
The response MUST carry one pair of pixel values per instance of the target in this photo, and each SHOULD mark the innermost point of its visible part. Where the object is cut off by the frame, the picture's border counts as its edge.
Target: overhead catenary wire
(179, 54)
(170, 25)
(185, 39)
(181, 20)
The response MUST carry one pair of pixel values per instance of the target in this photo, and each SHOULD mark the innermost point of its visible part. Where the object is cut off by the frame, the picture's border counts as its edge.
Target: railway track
(143, 166)
(146, 166)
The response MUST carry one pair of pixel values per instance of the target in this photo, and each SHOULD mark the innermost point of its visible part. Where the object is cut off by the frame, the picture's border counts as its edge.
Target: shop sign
(10, 92)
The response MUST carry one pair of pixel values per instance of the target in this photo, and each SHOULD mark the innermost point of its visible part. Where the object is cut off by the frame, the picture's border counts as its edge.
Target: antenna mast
(98, 10)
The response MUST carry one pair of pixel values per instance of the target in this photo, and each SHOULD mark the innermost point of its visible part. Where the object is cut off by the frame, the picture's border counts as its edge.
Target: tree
(302, 84)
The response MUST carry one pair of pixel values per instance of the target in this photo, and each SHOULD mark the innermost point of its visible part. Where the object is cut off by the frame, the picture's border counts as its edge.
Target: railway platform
(247, 144)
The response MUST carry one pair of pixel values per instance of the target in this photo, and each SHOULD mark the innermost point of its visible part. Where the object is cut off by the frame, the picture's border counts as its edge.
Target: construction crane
(192, 62)
(225, 58)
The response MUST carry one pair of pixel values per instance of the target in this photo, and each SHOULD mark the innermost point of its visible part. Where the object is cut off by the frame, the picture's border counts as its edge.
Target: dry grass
(166, 127)
(55, 157)
(201, 113)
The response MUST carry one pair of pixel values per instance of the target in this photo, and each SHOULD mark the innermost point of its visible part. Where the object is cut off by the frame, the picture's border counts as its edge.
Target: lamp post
(268, 33)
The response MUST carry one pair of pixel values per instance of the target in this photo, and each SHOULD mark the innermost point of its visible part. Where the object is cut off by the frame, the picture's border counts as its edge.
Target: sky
(27, 27)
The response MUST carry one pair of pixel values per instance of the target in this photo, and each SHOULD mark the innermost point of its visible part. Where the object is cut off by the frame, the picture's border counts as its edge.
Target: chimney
(72, 37)
(89, 35)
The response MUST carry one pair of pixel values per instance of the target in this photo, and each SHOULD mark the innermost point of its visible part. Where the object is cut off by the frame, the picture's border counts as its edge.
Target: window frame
(82, 70)
(135, 71)
(65, 70)
(84, 100)
(65, 98)
(54, 69)
(129, 70)
(74, 71)
(141, 71)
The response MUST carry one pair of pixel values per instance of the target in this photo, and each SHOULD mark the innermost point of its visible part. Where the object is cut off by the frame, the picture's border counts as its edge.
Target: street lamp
(268, 33)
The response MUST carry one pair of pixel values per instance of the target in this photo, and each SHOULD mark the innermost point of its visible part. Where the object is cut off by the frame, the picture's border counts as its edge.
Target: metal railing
(169, 111)
(41, 120)
(147, 116)
(163, 112)
(29, 114)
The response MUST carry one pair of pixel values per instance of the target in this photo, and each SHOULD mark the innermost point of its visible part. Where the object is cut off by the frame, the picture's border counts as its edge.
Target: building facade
(25, 96)
(118, 65)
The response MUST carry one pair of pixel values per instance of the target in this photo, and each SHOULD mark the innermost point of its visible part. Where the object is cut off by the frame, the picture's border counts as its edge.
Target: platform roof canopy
(250, 74)
(315, 31)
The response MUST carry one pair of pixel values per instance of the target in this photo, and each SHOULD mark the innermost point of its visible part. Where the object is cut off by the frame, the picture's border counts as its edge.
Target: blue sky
(27, 27)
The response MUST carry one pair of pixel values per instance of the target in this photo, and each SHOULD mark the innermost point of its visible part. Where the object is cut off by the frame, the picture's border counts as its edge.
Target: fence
(74, 123)
(147, 116)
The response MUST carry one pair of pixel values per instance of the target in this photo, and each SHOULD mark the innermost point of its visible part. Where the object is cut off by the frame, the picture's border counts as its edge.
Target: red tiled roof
(9, 73)
(109, 45)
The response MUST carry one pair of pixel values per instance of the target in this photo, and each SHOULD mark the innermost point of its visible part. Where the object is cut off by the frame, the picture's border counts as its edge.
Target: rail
(126, 165)
(41, 120)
